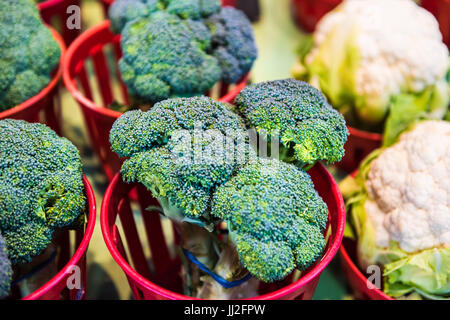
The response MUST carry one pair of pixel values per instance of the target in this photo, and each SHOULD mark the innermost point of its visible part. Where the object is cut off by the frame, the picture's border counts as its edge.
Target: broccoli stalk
(229, 268)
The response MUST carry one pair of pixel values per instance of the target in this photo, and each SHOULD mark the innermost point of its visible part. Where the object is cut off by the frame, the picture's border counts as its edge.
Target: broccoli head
(309, 129)
(5, 270)
(123, 11)
(181, 150)
(275, 217)
(28, 52)
(233, 43)
(165, 56)
(41, 187)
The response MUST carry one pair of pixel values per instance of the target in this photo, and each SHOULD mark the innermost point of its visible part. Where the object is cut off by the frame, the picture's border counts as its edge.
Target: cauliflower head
(29, 52)
(367, 55)
(400, 211)
(409, 188)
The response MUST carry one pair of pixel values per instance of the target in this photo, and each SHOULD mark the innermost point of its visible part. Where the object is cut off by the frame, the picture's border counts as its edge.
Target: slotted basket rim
(47, 89)
(360, 276)
(81, 250)
(70, 82)
(280, 293)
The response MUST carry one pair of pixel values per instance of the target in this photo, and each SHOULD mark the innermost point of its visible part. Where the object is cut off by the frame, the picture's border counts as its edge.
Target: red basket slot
(309, 12)
(56, 288)
(54, 12)
(356, 279)
(161, 279)
(358, 146)
(91, 49)
(45, 106)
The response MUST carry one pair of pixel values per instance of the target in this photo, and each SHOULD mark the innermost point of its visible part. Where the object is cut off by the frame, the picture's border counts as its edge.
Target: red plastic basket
(163, 281)
(54, 12)
(356, 279)
(309, 12)
(358, 146)
(45, 106)
(56, 288)
(441, 10)
(93, 46)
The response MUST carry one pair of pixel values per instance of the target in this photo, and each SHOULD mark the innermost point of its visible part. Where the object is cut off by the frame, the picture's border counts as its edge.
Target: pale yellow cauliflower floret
(409, 189)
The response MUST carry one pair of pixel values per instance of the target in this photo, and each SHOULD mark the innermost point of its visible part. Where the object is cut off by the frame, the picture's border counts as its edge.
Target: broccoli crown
(28, 52)
(180, 48)
(275, 217)
(233, 43)
(41, 187)
(301, 117)
(5, 270)
(123, 11)
(181, 150)
(165, 56)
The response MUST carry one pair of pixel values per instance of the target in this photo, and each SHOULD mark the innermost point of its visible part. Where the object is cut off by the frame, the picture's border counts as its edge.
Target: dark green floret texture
(165, 56)
(275, 216)
(180, 48)
(309, 129)
(181, 150)
(5, 270)
(41, 187)
(123, 11)
(28, 50)
(233, 43)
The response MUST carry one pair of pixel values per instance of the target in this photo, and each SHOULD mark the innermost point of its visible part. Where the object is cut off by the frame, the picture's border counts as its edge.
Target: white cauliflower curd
(382, 63)
(409, 189)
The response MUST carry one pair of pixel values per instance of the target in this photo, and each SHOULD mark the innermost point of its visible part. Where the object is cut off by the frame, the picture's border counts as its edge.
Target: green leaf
(426, 272)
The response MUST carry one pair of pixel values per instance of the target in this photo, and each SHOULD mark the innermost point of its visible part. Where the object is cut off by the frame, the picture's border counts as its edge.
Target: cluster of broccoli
(28, 52)
(196, 157)
(41, 188)
(180, 48)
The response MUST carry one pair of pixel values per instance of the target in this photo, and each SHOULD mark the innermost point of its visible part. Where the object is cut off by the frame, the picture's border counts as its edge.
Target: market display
(220, 177)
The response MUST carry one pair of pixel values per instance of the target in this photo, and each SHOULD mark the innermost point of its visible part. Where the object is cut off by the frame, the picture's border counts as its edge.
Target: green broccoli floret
(180, 48)
(165, 56)
(181, 150)
(309, 129)
(233, 43)
(5, 270)
(28, 52)
(41, 187)
(194, 155)
(275, 217)
(123, 11)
